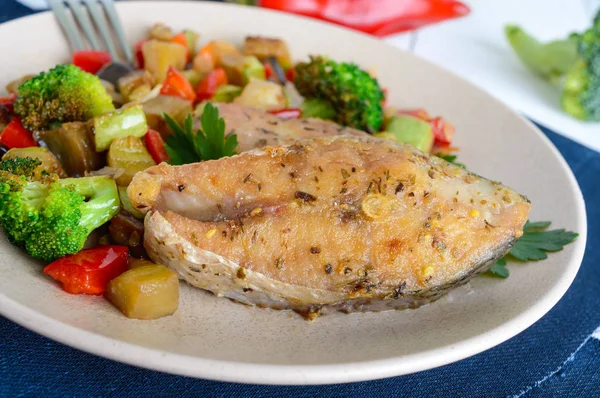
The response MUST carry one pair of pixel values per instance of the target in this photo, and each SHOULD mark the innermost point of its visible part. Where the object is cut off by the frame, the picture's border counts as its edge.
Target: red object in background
(269, 73)
(288, 113)
(91, 61)
(290, 74)
(138, 53)
(176, 85)
(15, 135)
(443, 131)
(156, 146)
(89, 271)
(8, 101)
(208, 86)
(376, 17)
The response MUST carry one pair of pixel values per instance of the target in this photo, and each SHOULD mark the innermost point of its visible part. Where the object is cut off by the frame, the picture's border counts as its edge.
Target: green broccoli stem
(102, 199)
(318, 108)
(549, 60)
(34, 194)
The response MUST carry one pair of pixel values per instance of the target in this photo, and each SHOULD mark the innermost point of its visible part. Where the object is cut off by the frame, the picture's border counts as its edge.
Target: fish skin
(382, 226)
(256, 128)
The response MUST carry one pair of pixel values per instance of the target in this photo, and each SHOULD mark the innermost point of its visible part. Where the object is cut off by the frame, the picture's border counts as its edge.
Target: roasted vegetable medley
(73, 137)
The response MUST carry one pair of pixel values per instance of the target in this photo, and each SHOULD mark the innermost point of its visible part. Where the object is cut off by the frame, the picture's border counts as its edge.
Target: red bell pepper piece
(176, 85)
(208, 86)
(269, 72)
(91, 61)
(156, 146)
(15, 135)
(290, 74)
(139, 56)
(288, 113)
(443, 132)
(8, 101)
(181, 38)
(89, 271)
(379, 18)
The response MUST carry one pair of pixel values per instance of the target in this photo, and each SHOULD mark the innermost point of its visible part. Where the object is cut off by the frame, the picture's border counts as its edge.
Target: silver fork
(105, 22)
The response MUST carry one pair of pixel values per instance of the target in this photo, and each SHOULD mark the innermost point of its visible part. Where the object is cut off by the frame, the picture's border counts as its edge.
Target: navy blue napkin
(559, 356)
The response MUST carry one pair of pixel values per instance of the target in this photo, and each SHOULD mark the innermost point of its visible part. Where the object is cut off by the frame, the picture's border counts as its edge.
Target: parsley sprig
(450, 158)
(534, 245)
(184, 146)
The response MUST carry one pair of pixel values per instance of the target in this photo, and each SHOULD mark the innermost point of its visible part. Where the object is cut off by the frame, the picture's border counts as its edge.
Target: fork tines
(104, 22)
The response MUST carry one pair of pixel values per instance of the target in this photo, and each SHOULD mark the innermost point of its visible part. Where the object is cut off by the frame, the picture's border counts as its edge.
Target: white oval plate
(218, 339)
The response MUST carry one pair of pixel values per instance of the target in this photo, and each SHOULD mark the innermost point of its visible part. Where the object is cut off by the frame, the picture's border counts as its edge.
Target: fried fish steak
(256, 128)
(328, 224)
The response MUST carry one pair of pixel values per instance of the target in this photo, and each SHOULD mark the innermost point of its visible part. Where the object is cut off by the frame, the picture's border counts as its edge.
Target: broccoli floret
(573, 64)
(355, 96)
(52, 217)
(24, 166)
(63, 94)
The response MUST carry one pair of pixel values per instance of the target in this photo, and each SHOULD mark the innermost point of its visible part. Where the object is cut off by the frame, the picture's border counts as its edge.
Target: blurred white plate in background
(474, 47)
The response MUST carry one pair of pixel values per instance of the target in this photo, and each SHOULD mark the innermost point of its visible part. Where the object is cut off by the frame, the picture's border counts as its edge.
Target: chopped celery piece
(226, 93)
(122, 123)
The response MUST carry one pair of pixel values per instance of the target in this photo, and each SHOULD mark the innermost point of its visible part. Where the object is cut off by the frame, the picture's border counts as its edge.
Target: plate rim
(245, 372)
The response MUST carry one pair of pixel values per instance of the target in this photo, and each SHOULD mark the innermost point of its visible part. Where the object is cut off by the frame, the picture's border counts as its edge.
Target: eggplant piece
(113, 72)
(126, 230)
(73, 146)
(5, 117)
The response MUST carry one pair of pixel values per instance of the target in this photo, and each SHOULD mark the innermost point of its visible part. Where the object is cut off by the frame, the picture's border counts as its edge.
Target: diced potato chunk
(155, 108)
(159, 55)
(130, 154)
(133, 86)
(160, 31)
(13, 86)
(147, 292)
(264, 47)
(262, 94)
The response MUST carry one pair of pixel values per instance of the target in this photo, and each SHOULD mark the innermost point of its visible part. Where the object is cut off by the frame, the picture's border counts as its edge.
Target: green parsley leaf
(534, 244)
(450, 158)
(499, 269)
(184, 146)
(535, 226)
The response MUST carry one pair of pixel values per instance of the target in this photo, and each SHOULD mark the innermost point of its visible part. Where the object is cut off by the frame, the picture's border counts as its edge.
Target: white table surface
(474, 47)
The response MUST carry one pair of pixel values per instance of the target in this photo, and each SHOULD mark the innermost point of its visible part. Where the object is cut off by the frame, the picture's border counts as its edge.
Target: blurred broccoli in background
(354, 94)
(573, 64)
(63, 94)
